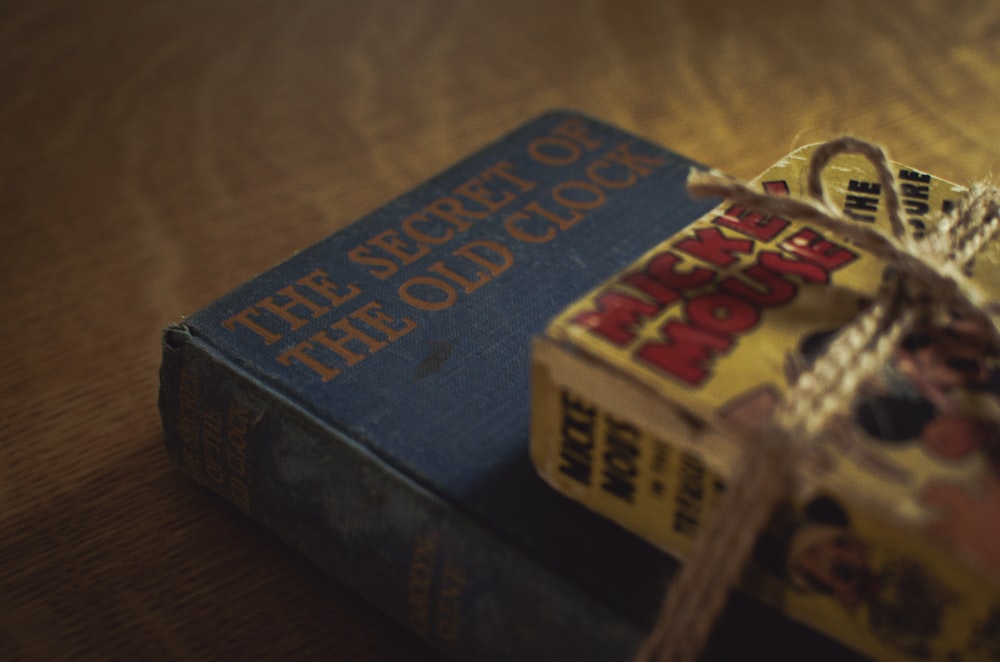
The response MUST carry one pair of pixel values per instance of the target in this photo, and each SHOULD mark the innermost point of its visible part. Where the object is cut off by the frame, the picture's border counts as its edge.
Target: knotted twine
(925, 279)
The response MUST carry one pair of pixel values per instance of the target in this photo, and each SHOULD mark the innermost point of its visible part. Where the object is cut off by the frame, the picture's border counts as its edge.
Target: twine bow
(925, 279)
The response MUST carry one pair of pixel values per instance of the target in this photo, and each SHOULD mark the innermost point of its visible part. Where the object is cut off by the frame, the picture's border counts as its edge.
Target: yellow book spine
(616, 466)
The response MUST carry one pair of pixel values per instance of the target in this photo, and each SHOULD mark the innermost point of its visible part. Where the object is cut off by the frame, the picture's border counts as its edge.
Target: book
(643, 386)
(368, 399)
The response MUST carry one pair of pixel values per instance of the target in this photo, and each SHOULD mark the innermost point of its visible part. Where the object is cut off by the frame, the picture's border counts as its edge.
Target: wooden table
(155, 154)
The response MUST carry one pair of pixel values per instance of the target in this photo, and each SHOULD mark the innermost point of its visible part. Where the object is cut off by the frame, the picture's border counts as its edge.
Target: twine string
(925, 279)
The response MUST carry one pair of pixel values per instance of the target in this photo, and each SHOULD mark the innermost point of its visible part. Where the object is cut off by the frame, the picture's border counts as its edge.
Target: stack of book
(370, 401)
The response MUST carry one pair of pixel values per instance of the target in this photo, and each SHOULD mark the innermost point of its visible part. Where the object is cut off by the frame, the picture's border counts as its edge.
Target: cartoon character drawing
(815, 552)
(940, 387)
(940, 391)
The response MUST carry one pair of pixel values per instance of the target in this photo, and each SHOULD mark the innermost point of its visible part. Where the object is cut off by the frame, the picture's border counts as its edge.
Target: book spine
(452, 581)
(587, 444)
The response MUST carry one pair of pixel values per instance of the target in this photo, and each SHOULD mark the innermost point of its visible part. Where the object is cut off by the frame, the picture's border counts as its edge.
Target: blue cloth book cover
(368, 399)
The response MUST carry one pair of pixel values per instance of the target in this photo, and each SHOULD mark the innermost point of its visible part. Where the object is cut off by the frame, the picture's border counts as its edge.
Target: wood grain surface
(155, 154)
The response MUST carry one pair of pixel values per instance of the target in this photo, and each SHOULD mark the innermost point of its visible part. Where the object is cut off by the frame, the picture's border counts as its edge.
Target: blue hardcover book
(368, 399)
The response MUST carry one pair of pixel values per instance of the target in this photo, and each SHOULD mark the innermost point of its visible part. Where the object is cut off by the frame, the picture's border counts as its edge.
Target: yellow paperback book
(892, 543)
